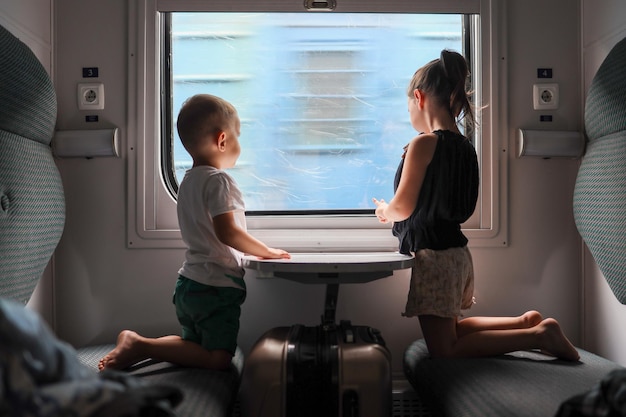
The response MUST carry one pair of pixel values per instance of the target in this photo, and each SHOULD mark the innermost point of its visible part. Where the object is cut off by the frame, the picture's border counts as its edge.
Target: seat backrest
(600, 193)
(32, 203)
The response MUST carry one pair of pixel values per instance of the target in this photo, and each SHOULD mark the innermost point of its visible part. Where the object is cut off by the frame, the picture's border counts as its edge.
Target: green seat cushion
(520, 384)
(600, 191)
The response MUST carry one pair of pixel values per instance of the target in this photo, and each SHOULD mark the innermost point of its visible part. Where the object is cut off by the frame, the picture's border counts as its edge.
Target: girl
(436, 189)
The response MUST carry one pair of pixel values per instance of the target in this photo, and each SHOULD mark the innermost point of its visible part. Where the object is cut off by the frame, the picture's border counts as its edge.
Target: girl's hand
(381, 205)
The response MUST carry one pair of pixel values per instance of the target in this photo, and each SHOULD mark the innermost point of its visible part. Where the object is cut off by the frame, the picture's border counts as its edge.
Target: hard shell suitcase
(318, 371)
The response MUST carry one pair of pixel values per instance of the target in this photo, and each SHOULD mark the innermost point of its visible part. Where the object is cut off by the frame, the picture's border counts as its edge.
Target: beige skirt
(442, 283)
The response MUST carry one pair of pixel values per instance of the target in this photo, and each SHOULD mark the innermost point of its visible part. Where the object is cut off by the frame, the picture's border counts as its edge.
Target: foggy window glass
(321, 97)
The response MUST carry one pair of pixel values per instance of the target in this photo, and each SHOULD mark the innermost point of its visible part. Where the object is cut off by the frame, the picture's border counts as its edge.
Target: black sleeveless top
(447, 198)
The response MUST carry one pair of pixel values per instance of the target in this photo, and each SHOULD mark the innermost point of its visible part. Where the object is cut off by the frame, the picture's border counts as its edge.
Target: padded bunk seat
(519, 384)
(529, 384)
(205, 393)
(42, 375)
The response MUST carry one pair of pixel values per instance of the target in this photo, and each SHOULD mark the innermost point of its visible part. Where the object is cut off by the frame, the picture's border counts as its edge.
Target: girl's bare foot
(555, 342)
(126, 352)
(531, 319)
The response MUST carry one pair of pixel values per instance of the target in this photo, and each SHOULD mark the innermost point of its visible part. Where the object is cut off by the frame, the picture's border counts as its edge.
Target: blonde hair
(445, 79)
(203, 115)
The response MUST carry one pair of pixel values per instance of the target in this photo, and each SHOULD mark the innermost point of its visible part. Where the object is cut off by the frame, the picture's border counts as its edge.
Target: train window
(322, 101)
(321, 97)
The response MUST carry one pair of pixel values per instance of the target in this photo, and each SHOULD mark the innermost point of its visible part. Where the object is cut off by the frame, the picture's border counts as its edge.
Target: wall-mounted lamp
(550, 143)
(86, 143)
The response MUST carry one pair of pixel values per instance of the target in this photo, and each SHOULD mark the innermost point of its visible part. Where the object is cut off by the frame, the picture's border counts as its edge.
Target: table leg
(330, 305)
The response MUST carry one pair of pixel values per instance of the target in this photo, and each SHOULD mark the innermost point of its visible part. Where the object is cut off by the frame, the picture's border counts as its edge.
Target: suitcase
(318, 371)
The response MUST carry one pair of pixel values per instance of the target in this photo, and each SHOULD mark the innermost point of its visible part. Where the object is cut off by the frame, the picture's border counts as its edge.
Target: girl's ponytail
(456, 71)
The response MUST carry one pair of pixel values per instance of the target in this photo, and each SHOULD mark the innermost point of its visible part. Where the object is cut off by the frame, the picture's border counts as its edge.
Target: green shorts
(209, 315)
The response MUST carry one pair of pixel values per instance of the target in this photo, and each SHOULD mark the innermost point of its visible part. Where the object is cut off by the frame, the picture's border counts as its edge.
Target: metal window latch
(320, 6)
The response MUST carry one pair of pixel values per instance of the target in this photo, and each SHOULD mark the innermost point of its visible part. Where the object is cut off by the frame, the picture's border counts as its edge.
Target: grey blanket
(41, 376)
(606, 399)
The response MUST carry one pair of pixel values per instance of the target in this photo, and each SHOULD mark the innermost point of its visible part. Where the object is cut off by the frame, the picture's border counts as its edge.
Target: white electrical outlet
(545, 96)
(90, 96)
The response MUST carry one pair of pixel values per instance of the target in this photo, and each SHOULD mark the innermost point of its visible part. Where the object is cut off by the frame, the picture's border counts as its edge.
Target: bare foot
(531, 319)
(126, 352)
(555, 342)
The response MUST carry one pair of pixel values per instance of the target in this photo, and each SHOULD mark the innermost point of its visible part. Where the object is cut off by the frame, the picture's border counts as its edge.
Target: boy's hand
(276, 254)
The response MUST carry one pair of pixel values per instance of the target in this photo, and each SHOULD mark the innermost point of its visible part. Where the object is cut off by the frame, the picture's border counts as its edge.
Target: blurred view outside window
(321, 96)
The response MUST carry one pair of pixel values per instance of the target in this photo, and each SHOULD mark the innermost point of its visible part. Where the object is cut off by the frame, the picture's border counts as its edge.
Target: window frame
(152, 219)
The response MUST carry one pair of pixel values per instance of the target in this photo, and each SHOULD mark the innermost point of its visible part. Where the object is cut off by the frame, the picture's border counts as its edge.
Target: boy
(211, 214)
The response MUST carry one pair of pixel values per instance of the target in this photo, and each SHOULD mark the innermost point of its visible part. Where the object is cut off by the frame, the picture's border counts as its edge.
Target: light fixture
(86, 143)
(550, 143)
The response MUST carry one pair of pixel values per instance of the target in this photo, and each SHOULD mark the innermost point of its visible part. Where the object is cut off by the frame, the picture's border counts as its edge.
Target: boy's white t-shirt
(206, 192)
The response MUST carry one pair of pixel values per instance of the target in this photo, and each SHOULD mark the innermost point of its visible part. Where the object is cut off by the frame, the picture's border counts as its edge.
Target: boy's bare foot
(555, 342)
(125, 353)
(531, 318)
